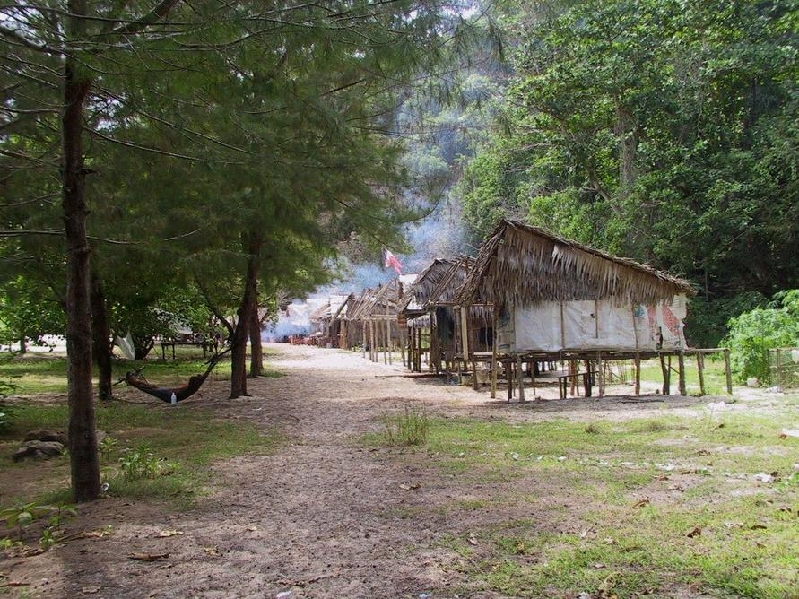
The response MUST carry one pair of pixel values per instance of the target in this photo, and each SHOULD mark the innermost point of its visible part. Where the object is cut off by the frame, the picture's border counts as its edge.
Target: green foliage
(22, 515)
(141, 462)
(656, 130)
(706, 324)
(408, 428)
(753, 333)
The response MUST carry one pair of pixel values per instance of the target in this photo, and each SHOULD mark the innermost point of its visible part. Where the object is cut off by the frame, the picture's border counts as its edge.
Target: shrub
(140, 463)
(753, 333)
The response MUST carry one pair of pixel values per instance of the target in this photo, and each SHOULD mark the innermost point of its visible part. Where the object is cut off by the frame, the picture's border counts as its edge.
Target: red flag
(393, 262)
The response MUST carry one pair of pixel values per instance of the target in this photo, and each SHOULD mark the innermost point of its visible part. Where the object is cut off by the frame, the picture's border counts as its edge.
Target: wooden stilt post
(413, 350)
(494, 362)
(464, 337)
(700, 364)
(665, 374)
(573, 378)
(601, 371)
(637, 373)
(389, 341)
(587, 364)
(727, 370)
(681, 364)
(364, 343)
(510, 375)
(667, 390)
(520, 378)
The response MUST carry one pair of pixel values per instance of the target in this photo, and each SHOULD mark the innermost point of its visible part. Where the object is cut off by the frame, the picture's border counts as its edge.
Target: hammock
(134, 379)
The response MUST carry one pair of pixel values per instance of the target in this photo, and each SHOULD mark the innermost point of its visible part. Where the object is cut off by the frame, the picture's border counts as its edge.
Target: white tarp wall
(585, 325)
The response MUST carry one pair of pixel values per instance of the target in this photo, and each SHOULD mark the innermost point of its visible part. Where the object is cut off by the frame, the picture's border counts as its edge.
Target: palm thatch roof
(445, 292)
(381, 302)
(520, 264)
(419, 294)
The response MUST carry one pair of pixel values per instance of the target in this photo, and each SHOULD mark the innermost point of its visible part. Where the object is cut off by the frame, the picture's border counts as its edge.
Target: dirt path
(325, 517)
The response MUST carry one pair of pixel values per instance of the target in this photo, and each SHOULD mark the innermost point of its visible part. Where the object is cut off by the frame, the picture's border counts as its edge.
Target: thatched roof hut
(519, 264)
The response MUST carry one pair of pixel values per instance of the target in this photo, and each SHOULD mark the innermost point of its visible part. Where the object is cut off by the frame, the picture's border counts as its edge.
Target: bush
(753, 333)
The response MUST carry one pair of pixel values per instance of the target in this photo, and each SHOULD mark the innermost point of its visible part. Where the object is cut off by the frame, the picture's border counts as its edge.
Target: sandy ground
(324, 517)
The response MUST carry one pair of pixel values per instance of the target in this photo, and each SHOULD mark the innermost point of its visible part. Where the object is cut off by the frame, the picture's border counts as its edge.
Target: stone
(38, 449)
(47, 435)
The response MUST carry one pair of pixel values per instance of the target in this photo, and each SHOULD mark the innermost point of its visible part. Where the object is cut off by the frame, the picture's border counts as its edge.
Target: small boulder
(38, 450)
(47, 435)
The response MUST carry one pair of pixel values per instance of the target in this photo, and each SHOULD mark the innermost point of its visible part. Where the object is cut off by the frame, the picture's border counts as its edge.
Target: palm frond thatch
(522, 264)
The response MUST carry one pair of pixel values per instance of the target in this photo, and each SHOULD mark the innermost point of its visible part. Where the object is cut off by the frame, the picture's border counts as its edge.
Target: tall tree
(659, 130)
(276, 107)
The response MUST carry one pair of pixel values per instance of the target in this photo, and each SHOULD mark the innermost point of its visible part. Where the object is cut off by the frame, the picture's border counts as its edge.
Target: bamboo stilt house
(555, 295)
(418, 311)
(432, 307)
(376, 311)
(324, 327)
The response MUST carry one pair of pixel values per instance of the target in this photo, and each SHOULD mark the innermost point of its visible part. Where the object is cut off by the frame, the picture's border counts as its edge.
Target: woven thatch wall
(521, 264)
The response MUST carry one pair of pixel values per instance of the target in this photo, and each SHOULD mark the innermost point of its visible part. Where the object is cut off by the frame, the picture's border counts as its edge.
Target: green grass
(658, 507)
(187, 440)
(714, 375)
(32, 374)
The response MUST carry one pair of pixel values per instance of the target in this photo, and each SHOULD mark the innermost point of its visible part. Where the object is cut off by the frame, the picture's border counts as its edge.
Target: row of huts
(529, 299)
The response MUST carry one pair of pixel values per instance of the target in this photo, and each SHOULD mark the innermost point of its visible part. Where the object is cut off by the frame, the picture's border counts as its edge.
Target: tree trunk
(142, 346)
(101, 335)
(256, 349)
(83, 452)
(238, 341)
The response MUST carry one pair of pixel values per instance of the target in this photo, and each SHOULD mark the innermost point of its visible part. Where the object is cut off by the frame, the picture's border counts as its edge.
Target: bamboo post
(435, 352)
(389, 341)
(637, 373)
(510, 376)
(464, 335)
(681, 363)
(700, 363)
(419, 351)
(668, 374)
(587, 364)
(364, 342)
(727, 371)
(600, 368)
(520, 377)
(665, 374)
(573, 377)
(494, 352)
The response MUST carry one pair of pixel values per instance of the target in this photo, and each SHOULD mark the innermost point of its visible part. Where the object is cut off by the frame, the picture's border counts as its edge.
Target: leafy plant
(140, 463)
(107, 446)
(407, 428)
(24, 514)
(753, 333)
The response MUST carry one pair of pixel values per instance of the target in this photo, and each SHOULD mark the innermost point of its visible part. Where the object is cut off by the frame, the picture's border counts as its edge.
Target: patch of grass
(31, 374)
(180, 445)
(407, 428)
(662, 507)
(715, 378)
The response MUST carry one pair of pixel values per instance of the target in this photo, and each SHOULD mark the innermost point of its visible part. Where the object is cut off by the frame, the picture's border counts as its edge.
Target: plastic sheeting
(586, 325)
